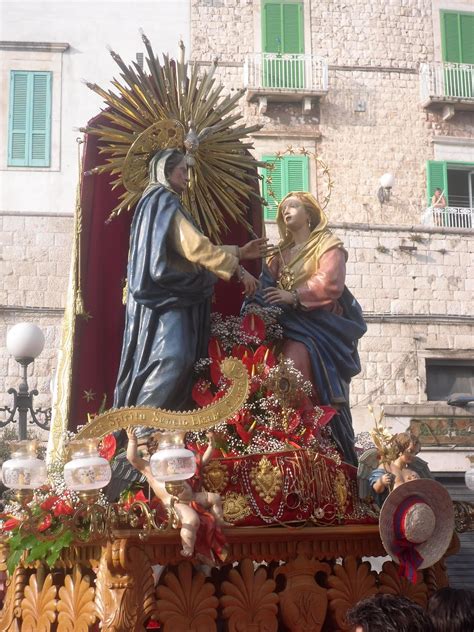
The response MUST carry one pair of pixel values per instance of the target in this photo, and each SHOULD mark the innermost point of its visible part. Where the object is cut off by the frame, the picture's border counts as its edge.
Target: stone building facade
(364, 114)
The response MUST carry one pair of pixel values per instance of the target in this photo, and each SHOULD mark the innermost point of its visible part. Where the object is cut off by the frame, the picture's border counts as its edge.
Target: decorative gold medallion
(235, 507)
(341, 491)
(267, 479)
(286, 280)
(215, 476)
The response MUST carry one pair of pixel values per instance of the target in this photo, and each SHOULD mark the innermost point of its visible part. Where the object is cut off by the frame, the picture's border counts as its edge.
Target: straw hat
(416, 524)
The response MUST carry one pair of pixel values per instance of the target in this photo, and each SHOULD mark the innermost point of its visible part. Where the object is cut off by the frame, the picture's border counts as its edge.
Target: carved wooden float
(276, 579)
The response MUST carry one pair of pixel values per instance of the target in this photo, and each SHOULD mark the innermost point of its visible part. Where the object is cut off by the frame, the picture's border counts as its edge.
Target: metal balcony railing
(447, 80)
(280, 72)
(449, 217)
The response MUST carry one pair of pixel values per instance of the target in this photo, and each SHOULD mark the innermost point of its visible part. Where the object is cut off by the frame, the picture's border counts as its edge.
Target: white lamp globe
(469, 476)
(25, 340)
(387, 181)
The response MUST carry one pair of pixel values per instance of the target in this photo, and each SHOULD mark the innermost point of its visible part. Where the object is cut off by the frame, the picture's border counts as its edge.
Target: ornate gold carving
(303, 603)
(76, 604)
(186, 602)
(235, 507)
(249, 601)
(341, 485)
(351, 582)
(392, 584)
(224, 408)
(267, 479)
(38, 607)
(161, 135)
(215, 476)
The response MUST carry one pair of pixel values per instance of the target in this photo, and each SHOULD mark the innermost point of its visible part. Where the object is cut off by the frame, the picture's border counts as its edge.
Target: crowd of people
(449, 610)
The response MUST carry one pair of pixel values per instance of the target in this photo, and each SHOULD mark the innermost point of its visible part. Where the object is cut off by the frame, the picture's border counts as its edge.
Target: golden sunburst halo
(223, 176)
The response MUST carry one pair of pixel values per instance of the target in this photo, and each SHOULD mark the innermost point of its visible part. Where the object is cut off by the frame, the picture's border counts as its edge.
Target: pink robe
(321, 291)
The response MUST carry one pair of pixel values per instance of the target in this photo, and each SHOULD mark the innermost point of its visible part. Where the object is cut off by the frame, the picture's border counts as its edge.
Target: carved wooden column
(303, 603)
(125, 590)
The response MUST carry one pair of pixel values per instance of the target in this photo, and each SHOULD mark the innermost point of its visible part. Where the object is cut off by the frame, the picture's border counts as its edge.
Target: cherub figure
(406, 466)
(196, 510)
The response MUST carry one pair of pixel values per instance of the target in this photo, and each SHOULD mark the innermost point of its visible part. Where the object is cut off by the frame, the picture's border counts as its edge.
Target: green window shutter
(18, 119)
(436, 176)
(450, 37)
(467, 37)
(296, 173)
(29, 129)
(290, 174)
(292, 28)
(272, 28)
(276, 186)
(40, 119)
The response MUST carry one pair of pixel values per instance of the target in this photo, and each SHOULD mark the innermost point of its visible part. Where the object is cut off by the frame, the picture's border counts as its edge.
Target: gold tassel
(79, 308)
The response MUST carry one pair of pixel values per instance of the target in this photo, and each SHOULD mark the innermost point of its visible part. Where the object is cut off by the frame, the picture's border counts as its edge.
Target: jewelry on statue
(240, 273)
(296, 299)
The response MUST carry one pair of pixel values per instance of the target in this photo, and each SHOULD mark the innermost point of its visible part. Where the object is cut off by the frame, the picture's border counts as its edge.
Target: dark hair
(452, 610)
(173, 161)
(389, 613)
(438, 189)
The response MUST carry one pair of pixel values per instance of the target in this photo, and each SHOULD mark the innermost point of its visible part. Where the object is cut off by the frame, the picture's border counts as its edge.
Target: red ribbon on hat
(406, 551)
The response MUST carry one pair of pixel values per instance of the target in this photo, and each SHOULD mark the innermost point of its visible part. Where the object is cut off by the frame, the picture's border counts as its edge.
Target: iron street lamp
(25, 342)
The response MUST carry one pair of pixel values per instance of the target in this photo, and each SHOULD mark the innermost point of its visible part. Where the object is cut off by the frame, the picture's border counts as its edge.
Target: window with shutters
(282, 39)
(457, 35)
(456, 181)
(29, 124)
(289, 173)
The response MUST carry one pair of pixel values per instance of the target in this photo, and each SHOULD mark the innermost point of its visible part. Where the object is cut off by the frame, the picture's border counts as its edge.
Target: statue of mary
(322, 322)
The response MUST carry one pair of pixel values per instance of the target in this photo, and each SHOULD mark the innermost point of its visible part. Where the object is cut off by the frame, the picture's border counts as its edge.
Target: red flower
(107, 447)
(62, 508)
(10, 524)
(131, 498)
(202, 393)
(45, 523)
(215, 350)
(264, 359)
(48, 503)
(254, 326)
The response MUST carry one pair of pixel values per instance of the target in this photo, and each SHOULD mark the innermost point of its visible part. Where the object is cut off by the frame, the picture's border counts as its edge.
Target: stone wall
(34, 265)
(373, 50)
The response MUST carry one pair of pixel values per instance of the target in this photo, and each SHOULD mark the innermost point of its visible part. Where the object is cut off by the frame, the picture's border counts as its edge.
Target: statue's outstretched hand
(255, 249)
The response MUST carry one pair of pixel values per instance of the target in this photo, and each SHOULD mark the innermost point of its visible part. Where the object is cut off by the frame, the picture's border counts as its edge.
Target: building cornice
(453, 140)
(38, 47)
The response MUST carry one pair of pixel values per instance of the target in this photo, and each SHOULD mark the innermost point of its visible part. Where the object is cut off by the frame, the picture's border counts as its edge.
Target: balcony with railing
(449, 217)
(285, 78)
(447, 85)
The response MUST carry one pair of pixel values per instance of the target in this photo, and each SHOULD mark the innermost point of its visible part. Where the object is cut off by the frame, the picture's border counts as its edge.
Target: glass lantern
(469, 476)
(87, 472)
(172, 463)
(24, 471)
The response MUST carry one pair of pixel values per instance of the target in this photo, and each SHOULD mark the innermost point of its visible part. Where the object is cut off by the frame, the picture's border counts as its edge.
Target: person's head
(452, 610)
(407, 447)
(298, 210)
(168, 167)
(438, 191)
(295, 214)
(388, 613)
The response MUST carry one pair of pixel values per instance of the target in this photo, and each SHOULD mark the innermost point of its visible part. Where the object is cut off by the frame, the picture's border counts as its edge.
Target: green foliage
(47, 550)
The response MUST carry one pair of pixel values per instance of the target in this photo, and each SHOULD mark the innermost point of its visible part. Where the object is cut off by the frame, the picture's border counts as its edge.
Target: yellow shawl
(321, 239)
